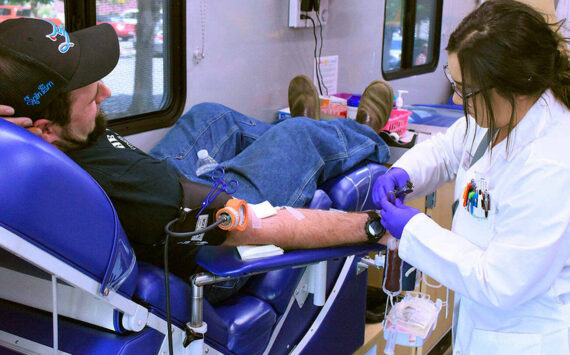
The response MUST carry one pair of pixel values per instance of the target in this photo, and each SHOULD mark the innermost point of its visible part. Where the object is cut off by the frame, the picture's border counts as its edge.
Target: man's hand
(395, 177)
(9, 111)
(20, 121)
(395, 216)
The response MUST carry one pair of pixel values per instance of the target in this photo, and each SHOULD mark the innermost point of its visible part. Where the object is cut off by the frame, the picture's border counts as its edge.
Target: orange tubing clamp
(236, 210)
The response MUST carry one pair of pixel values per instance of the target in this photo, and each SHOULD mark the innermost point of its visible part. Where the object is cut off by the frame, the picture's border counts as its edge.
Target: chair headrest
(49, 201)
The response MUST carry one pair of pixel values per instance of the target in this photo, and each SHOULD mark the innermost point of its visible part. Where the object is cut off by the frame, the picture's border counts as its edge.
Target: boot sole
(307, 84)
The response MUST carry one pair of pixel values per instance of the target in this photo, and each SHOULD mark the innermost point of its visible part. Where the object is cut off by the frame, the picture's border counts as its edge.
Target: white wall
(251, 54)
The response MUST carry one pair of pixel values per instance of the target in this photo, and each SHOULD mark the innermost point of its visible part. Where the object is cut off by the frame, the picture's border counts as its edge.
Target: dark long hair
(508, 46)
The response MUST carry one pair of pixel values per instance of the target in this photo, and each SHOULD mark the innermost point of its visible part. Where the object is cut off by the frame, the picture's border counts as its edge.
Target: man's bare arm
(317, 230)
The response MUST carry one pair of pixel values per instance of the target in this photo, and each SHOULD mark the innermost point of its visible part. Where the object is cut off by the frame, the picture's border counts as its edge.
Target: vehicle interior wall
(251, 54)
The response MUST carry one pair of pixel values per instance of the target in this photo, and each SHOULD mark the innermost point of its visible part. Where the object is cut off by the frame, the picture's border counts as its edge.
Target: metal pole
(54, 314)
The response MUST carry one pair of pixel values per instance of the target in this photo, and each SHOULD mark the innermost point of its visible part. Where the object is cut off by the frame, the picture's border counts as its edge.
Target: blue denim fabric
(216, 128)
(282, 163)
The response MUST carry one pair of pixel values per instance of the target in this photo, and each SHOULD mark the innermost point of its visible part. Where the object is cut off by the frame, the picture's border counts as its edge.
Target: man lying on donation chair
(55, 82)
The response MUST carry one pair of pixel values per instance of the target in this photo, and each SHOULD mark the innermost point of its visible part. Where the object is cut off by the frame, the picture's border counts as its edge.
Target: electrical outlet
(295, 13)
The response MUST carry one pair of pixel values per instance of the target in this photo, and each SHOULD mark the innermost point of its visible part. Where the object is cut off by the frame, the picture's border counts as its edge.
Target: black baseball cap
(40, 60)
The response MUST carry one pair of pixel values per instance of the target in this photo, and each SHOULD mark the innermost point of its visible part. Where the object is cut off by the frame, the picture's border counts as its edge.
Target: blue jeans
(282, 163)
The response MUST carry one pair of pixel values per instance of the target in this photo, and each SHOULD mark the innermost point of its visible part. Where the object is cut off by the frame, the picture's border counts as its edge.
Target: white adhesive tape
(296, 213)
(255, 221)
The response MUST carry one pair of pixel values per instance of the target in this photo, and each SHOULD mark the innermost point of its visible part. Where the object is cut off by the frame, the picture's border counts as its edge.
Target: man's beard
(68, 142)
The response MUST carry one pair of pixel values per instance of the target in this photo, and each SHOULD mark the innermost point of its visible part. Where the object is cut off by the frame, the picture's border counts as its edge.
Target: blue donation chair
(70, 280)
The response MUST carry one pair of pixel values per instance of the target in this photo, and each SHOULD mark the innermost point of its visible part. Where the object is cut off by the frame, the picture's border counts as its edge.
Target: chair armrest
(352, 191)
(225, 261)
(349, 192)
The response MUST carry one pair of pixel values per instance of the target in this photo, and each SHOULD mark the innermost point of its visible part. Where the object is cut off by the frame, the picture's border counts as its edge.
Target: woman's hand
(395, 216)
(387, 183)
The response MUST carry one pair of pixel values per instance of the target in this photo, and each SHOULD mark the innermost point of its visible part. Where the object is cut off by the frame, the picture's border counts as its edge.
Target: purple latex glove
(387, 183)
(396, 216)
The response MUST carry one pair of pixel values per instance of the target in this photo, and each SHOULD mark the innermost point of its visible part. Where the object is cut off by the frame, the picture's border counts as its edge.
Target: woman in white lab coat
(507, 256)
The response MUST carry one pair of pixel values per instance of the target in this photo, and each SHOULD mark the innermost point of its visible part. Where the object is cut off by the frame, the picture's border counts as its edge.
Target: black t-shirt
(146, 194)
(144, 190)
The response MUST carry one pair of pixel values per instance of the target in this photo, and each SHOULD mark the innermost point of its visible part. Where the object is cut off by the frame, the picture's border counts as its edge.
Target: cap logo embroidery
(59, 31)
(35, 97)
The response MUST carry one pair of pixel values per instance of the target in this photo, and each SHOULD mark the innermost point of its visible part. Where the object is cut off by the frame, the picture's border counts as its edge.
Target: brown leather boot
(304, 98)
(375, 105)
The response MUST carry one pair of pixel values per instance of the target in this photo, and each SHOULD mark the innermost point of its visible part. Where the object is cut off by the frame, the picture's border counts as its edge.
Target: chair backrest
(352, 191)
(50, 202)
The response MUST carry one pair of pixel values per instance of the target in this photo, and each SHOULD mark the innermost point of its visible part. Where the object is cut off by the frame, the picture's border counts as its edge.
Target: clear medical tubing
(205, 163)
(393, 269)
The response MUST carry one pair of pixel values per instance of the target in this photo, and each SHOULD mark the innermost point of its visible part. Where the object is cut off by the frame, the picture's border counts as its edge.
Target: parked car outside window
(124, 30)
(13, 11)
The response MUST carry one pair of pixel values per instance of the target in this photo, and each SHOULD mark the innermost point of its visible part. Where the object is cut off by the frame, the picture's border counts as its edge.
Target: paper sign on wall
(329, 74)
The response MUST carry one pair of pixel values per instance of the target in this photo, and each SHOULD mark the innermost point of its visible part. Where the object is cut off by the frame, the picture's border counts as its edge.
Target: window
(143, 83)
(151, 66)
(137, 82)
(411, 42)
(23, 12)
(42, 9)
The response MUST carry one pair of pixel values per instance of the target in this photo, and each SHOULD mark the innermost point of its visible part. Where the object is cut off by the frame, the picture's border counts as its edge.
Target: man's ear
(47, 130)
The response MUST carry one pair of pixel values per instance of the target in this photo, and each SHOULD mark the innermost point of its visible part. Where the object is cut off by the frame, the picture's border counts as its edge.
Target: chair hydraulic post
(196, 328)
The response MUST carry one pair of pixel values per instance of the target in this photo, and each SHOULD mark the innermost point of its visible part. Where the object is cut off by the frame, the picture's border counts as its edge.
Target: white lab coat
(510, 271)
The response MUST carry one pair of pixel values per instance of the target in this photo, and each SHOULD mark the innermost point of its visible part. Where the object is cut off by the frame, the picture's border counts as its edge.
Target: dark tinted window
(411, 40)
(23, 12)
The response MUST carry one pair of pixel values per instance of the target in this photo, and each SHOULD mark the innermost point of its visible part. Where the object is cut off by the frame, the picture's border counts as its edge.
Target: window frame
(407, 68)
(81, 14)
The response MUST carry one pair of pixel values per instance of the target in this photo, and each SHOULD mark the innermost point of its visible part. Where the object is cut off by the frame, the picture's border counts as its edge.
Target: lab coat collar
(532, 126)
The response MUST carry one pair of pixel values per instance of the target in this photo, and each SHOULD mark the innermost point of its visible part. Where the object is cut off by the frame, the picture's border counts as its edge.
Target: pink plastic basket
(398, 122)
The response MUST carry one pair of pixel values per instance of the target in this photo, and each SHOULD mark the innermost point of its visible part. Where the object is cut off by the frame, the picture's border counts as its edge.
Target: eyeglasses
(454, 85)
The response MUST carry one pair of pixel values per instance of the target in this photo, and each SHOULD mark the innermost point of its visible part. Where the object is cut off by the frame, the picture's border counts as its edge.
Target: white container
(352, 106)
(400, 99)
(351, 112)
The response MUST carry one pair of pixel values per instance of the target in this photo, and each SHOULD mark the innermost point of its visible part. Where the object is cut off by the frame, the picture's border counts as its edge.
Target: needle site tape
(236, 210)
